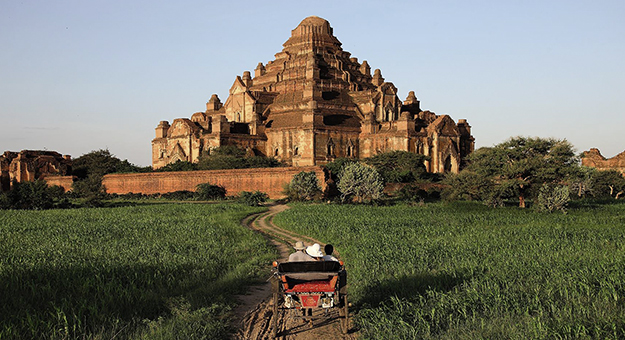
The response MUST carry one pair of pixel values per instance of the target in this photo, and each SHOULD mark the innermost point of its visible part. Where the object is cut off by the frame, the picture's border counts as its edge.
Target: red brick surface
(63, 181)
(267, 180)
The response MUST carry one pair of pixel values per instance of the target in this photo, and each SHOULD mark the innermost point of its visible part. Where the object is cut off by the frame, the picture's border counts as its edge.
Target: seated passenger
(329, 249)
(314, 251)
(300, 255)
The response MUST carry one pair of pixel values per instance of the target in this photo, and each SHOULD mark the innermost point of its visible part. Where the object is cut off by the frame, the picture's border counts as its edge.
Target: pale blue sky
(77, 76)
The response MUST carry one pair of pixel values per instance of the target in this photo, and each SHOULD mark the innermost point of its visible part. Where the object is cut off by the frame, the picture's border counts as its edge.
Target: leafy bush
(468, 186)
(608, 183)
(304, 187)
(179, 166)
(180, 195)
(218, 162)
(224, 157)
(580, 181)
(228, 150)
(133, 196)
(232, 157)
(361, 182)
(253, 199)
(262, 162)
(91, 189)
(416, 192)
(398, 166)
(36, 195)
(5, 202)
(553, 197)
(336, 167)
(207, 191)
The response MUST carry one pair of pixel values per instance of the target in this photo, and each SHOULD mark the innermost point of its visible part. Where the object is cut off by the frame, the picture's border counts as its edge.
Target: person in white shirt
(300, 255)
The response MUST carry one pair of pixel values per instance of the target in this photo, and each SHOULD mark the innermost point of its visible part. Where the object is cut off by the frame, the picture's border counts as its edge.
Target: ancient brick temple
(31, 165)
(312, 104)
(594, 158)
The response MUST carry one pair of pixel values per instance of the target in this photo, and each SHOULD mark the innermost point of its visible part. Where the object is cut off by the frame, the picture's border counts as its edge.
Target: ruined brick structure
(593, 158)
(312, 104)
(29, 165)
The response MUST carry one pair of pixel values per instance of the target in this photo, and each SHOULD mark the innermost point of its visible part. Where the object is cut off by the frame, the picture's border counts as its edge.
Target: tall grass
(150, 271)
(468, 271)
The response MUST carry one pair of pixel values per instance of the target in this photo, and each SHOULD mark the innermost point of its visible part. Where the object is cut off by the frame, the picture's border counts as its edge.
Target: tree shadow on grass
(594, 203)
(408, 287)
(84, 300)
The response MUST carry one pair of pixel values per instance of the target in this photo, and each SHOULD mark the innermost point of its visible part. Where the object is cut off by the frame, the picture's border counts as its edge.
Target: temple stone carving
(313, 103)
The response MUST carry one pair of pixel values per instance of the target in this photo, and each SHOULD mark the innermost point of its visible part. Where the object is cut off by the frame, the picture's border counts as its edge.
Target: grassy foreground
(159, 271)
(466, 271)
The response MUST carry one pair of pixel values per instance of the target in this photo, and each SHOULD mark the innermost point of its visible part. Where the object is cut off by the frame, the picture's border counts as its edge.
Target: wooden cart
(310, 285)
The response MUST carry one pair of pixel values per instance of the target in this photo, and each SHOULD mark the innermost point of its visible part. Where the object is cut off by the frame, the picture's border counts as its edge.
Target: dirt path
(254, 314)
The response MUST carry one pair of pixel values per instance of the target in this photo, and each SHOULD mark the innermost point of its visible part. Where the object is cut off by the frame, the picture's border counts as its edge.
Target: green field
(159, 271)
(466, 271)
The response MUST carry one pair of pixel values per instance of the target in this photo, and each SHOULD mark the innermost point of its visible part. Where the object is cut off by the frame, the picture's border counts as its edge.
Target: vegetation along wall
(64, 182)
(268, 180)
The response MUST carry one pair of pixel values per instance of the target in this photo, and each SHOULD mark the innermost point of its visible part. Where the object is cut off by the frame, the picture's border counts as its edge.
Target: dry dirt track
(254, 314)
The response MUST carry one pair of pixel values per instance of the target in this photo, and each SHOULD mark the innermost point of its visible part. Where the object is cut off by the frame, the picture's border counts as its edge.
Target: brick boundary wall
(64, 182)
(268, 180)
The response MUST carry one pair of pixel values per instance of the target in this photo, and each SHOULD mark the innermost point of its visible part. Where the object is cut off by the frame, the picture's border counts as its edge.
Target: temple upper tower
(312, 34)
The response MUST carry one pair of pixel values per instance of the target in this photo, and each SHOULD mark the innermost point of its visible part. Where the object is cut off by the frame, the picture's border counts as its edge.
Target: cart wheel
(274, 319)
(344, 312)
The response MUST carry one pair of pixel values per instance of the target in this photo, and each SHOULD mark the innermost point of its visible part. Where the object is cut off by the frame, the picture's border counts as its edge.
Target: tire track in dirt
(254, 314)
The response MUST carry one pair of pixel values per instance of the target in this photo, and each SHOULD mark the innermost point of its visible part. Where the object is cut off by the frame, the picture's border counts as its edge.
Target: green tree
(468, 186)
(102, 162)
(520, 165)
(221, 161)
(91, 189)
(580, 181)
(398, 166)
(607, 183)
(89, 170)
(304, 187)
(179, 166)
(232, 157)
(35, 195)
(262, 162)
(361, 182)
(335, 167)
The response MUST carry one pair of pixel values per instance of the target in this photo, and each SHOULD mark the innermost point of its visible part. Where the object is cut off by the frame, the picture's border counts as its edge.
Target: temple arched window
(295, 151)
(419, 147)
(388, 114)
(447, 164)
(330, 148)
(350, 151)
